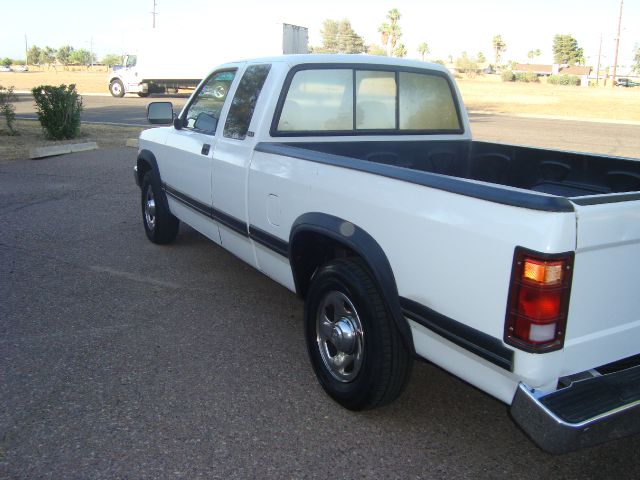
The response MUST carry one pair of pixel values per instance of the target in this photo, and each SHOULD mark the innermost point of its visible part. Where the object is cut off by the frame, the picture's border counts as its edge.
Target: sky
(449, 27)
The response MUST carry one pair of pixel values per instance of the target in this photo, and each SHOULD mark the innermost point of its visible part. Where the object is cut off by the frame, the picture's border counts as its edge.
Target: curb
(50, 151)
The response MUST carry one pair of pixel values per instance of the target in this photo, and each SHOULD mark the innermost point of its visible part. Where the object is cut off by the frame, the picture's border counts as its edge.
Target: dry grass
(91, 81)
(490, 95)
(31, 136)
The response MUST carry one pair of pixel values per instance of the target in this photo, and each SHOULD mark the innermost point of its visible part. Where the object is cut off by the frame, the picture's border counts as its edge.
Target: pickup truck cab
(354, 182)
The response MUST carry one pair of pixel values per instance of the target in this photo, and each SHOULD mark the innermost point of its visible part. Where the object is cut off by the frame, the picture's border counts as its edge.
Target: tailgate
(604, 313)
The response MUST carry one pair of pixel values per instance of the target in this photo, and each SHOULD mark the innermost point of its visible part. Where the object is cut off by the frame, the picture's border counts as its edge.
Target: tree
(534, 53)
(566, 50)
(33, 55)
(400, 51)
(82, 57)
(64, 54)
(6, 62)
(481, 58)
(339, 37)
(467, 64)
(636, 59)
(499, 47)
(390, 32)
(111, 59)
(376, 50)
(423, 49)
(48, 57)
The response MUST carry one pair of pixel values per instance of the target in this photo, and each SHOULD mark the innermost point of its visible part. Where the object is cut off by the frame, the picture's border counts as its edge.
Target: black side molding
(478, 343)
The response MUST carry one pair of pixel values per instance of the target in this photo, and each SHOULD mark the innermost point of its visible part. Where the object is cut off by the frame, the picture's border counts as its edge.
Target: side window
(244, 101)
(204, 111)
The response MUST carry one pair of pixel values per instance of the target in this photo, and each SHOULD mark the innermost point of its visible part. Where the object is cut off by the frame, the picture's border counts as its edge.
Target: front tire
(159, 223)
(353, 343)
(116, 87)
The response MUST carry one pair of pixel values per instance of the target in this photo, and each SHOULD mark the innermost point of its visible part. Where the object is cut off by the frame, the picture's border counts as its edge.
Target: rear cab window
(336, 100)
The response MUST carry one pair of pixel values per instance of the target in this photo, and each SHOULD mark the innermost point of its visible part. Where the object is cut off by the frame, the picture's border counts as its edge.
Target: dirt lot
(486, 93)
(30, 136)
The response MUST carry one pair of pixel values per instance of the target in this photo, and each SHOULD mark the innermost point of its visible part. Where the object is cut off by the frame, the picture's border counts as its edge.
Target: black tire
(143, 94)
(116, 88)
(353, 343)
(159, 223)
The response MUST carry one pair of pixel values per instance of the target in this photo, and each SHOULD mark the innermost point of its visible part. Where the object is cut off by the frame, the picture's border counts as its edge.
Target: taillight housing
(538, 300)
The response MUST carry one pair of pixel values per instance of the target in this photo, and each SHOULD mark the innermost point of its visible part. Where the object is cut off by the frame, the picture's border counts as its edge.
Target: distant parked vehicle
(20, 68)
(4, 69)
(626, 82)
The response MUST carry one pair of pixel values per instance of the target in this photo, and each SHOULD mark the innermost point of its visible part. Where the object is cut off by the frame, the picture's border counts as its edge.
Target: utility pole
(615, 61)
(155, 4)
(599, 56)
(26, 51)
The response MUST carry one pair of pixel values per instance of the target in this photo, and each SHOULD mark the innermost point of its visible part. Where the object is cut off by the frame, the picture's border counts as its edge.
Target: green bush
(58, 110)
(7, 109)
(563, 80)
(508, 76)
(527, 77)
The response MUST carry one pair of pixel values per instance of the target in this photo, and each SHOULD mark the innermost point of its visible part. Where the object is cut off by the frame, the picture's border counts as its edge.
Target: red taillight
(538, 300)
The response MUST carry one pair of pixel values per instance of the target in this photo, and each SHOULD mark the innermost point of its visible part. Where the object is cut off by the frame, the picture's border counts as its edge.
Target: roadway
(585, 136)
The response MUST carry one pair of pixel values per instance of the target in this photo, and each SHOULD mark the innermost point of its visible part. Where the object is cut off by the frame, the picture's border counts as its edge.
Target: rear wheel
(159, 224)
(353, 343)
(143, 94)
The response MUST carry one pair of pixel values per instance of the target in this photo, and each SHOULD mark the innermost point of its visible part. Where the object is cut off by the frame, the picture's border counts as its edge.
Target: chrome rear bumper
(583, 414)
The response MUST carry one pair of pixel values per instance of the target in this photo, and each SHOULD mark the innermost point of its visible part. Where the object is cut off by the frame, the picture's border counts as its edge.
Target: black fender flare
(366, 247)
(148, 159)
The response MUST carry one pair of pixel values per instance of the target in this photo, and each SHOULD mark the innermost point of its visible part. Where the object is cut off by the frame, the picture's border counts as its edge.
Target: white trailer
(164, 62)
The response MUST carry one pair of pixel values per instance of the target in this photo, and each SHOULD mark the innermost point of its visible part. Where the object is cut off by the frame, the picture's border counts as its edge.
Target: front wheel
(116, 87)
(159, 223)
(353, 343)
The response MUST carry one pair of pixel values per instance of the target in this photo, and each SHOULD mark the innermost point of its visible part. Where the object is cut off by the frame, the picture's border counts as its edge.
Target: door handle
(205, 149)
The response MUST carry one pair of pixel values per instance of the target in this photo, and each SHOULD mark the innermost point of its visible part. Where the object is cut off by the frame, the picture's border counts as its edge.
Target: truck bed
(553, 172)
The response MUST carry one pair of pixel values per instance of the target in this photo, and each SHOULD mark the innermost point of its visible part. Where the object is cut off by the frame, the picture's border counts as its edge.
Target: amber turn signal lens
(545, 273)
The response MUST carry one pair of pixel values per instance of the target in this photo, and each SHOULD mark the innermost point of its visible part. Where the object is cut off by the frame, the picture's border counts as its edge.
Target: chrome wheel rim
(339, 336)
(115, 88)
(150, 209)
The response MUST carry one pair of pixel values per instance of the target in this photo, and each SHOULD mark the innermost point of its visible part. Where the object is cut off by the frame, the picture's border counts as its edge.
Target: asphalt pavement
(124, 359)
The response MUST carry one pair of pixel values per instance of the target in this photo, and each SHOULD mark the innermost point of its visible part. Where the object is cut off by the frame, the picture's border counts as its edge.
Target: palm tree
(394, 36)
(423, 49)
(499, 47)
(384, 31)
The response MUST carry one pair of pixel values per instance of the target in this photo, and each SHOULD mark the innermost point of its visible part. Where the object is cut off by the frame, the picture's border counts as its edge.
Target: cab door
(186, 161)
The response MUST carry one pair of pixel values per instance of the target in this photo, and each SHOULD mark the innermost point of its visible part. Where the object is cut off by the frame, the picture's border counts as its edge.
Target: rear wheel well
(310, 251)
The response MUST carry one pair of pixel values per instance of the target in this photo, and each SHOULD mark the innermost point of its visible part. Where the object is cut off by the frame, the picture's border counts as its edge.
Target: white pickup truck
(354, 182)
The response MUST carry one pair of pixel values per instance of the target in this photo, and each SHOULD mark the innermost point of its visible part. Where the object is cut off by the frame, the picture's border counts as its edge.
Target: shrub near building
(563, 80)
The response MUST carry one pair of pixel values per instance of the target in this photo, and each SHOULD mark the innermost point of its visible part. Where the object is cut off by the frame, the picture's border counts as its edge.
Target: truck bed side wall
(555, 172)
